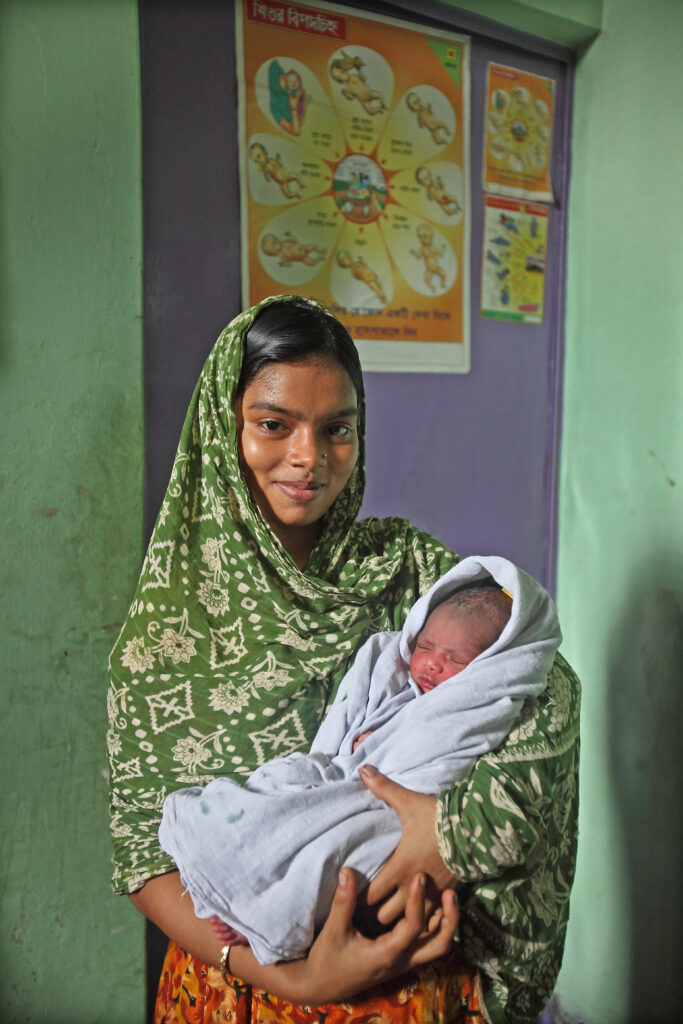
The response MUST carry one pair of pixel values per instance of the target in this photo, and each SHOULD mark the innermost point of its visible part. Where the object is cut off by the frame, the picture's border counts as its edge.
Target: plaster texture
(620, 571)
(70, 494)
(569, 23)
(71, 499)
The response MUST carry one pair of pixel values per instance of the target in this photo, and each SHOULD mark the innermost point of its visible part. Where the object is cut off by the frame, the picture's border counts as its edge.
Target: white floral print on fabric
(214, 672)
(514, 824)
(159, 558)
(225, 631)
(136, 656)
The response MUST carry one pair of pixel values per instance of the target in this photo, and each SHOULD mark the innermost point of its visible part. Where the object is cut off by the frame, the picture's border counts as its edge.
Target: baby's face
(449, 641)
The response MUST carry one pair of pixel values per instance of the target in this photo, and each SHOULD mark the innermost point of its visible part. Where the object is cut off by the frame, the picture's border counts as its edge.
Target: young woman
(258, 587)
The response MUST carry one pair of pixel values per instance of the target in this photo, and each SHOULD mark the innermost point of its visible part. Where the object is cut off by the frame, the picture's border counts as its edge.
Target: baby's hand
(227, 935)
(359, 739)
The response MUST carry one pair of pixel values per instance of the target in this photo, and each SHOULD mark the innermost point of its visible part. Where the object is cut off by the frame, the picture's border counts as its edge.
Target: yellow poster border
(527, 146)
(378, 349)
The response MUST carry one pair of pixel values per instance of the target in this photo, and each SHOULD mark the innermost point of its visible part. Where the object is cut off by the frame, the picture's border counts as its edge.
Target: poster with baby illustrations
(354, 154)
(518, 134)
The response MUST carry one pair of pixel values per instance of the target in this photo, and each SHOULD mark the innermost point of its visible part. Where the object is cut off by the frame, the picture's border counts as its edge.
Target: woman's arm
(340, 964)
(164, 901)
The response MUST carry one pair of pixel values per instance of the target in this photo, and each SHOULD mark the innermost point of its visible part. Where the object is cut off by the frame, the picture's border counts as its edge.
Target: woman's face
(297, 427)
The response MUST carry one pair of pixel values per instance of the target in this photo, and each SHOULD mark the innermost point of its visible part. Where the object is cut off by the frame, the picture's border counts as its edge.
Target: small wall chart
(518, 134)
(354, 149)
(515, 241)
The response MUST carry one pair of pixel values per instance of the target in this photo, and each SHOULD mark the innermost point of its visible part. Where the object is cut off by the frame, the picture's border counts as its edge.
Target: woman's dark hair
(295, 330)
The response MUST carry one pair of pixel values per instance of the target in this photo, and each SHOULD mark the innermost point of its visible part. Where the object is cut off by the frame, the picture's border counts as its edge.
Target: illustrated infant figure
(435, 191)
(427, 119)
(272, 168)
(347, 71)
(291, 250)
(362, 272)
(430, 254)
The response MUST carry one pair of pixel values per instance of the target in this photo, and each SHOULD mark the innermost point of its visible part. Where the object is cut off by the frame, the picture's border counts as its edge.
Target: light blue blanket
(265, 857)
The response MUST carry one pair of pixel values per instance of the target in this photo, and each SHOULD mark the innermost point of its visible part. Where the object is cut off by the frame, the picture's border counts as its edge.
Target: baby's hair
(485, 599)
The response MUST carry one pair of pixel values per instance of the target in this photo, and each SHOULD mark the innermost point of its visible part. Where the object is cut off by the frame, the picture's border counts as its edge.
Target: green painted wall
(621, 514)
(70, 497)
(70, 493)
(567, 22)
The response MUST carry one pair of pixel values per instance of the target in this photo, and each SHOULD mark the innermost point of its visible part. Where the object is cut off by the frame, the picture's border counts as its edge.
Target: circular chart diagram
(354, 184)
(518, 133)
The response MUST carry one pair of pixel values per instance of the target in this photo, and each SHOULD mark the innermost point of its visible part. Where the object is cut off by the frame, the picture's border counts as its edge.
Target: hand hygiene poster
(514, 247)
(354, 149)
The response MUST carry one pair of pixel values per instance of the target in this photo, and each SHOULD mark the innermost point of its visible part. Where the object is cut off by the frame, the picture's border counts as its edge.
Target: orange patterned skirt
(443, 992)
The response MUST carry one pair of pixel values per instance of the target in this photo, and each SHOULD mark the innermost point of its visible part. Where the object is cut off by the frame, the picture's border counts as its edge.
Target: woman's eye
(339, 430)
(270, 426)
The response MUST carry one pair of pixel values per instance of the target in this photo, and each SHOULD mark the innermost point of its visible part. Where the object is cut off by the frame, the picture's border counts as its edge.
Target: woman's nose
(305, 450)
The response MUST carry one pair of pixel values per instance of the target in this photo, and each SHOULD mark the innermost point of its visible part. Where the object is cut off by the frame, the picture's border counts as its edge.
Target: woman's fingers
(439, 938)
(417, 851)
(390, 883)
(342, 962)
(390, 792)
(434, 922)
(415, 905)
(391, 908)
(340, 918)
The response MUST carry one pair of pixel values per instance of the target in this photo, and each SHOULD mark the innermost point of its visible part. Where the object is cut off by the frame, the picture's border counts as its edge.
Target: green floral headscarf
(230, 652)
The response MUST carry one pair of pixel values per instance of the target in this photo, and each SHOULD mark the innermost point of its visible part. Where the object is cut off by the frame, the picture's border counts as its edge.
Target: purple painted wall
(472, 457)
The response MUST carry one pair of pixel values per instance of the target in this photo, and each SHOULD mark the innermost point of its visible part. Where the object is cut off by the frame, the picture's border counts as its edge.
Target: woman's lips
(299, 491)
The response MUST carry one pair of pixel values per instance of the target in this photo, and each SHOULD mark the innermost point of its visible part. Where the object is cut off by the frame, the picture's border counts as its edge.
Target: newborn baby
(420, 705)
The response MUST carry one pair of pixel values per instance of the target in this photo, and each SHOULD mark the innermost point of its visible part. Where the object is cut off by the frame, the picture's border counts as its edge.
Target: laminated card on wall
(518, 134)
(514, 248)
(354, 156)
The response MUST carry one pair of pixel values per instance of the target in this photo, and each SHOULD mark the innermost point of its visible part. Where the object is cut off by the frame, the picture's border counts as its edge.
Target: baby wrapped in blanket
(265, 857)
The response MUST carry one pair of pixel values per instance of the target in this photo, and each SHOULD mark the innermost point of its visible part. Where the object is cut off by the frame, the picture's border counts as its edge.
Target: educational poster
(518, 134)
(514, 246)
(354, 147)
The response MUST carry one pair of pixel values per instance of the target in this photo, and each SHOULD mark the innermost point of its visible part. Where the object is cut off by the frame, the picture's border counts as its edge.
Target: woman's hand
(417, 852)
(354, 963)
(342, 963)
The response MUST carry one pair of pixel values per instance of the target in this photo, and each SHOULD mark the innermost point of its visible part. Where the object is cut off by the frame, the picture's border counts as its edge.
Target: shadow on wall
(644, 693)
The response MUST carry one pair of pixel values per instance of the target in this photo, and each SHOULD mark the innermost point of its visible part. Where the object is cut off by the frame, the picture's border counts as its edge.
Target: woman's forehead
(302, 384)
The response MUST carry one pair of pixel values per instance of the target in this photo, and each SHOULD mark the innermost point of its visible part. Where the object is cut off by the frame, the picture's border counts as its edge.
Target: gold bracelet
(225, 962)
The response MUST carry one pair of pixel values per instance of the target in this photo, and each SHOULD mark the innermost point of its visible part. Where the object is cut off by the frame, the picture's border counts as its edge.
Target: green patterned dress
(230, 655)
